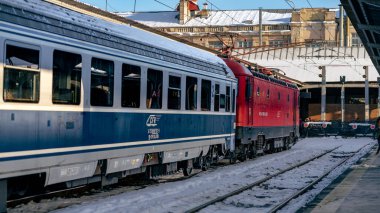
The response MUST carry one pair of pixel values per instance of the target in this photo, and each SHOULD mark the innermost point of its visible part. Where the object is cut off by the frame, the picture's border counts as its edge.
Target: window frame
(173, 88)
(208, 100)
(228, 99)
(113, 83)
(18, 68)
(160, 92)
(138, 104)
(216, 94)
(80, 82)
(196, 94)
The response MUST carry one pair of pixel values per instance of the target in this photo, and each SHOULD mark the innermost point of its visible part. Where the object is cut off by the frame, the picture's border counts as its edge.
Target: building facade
(251, 28)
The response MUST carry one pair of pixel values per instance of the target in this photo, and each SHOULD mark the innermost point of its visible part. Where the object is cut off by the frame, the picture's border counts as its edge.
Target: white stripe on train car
(95, 147)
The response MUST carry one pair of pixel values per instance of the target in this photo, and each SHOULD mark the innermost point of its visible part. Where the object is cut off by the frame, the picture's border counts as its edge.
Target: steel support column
(260, 26)
(366, 94)
(342, 102)
(341, 27)
(323, 93)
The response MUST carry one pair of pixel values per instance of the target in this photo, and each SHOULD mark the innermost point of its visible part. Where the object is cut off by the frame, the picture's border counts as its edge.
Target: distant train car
(267, 115)
(85, 100)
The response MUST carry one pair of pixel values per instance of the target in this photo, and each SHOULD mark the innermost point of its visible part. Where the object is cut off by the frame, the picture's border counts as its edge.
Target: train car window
(67, 74)
(130, 86)
(154, 89)
(233, 100)
(174, 92)
(191, 93)
(258, 91)
(228, 99)
(222, 101)
(216, 98)
(279, 96)
(102, 80)
(288, 98)
(21, 75)
(268, 93)
(248, 89)
(206, 95)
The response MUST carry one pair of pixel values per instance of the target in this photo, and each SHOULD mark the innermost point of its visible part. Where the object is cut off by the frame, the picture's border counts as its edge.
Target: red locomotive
(267, 115)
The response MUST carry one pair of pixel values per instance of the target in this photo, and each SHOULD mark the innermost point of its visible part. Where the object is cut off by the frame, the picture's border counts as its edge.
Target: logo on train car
(263, 114)
(152, 120)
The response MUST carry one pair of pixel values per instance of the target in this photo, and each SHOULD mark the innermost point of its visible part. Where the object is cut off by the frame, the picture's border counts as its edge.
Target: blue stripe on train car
(34, 130)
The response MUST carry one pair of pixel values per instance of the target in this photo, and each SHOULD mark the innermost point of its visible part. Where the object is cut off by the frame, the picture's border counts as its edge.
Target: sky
(168, 5)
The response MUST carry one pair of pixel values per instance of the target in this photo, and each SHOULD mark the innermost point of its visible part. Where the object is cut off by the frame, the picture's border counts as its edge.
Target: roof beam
(369, 27)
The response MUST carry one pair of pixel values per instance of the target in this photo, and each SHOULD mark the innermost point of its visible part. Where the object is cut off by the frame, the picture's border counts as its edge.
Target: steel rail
(306, 188)
(84, 189)
(238, 191)
(48, 195)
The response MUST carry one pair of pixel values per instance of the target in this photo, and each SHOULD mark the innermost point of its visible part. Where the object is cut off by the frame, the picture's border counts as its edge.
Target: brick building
(250, 28)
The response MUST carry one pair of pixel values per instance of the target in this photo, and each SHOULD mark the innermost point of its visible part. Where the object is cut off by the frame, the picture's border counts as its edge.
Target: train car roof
(240, 70)
(237, 68)
(52, 18)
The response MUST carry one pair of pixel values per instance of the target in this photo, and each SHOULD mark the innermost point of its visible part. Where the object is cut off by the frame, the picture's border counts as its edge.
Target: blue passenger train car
(84, 99)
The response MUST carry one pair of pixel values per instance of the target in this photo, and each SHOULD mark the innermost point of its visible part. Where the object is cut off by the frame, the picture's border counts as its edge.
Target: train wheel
(251, 151)
(214, 155)
(187, 171)
(243, 154)
(206, 163)
(232, 157)
(286, 143)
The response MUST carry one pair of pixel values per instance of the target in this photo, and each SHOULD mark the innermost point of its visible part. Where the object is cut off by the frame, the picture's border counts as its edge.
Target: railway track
(93, 189)
(284, 202)
(81, 194)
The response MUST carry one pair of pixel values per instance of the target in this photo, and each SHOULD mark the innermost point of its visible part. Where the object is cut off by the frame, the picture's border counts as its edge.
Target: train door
(230, 107)
(250, 100)
(294, 110)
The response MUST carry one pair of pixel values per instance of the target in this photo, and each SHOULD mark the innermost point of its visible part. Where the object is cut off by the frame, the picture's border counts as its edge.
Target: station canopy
(365, 17)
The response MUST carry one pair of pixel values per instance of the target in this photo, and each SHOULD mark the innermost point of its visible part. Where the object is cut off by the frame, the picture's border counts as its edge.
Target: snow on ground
(182, 195)
(301, 201)
(267, 195)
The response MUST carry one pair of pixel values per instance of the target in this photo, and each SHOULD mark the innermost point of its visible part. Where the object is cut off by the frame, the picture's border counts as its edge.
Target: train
(267, 115)
(86, 100)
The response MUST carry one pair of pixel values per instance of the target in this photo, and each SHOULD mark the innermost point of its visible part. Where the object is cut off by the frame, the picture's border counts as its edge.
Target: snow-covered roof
(308, 70)
(215, 18)
(111, 28)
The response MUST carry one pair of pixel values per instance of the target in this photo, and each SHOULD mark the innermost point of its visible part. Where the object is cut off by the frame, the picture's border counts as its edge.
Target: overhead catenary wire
(164, 4)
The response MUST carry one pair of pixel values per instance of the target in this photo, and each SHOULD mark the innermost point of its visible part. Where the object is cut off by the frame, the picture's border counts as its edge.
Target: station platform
(357, 190)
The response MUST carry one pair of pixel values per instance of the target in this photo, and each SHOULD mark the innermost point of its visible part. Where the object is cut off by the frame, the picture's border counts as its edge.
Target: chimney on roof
(205, 6)
(204, 13)
(187, 9)
(184, 12)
